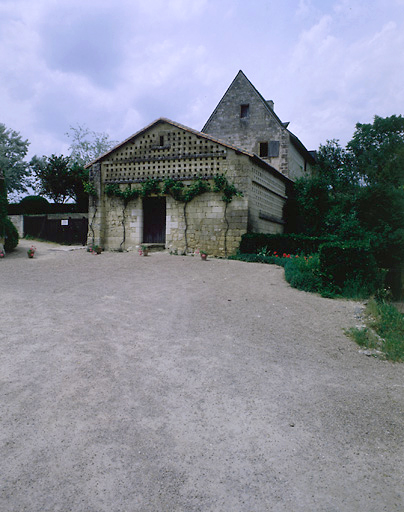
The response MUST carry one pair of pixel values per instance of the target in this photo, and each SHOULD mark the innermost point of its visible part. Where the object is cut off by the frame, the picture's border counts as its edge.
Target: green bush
(350, 269)
(262, 257)
(303, 273)
(11, 235)
(34, 205)
(282, 243)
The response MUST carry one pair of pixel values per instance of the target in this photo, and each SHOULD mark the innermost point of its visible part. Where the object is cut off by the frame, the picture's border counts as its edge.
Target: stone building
(167, 150)
(244, 118)
(243, 141)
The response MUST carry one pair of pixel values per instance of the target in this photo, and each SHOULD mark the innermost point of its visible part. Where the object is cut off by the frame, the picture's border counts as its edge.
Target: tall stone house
(244, 118)
(243, 141)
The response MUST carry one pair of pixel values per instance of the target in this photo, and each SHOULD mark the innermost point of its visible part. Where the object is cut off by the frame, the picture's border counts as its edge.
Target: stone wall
(259, 125)
(18, 221)
(267, 198)
(297, 165)
(207, 228)
(206, 224)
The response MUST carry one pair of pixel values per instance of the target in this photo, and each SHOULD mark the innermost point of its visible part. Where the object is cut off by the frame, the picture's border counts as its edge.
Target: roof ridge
(255, 90)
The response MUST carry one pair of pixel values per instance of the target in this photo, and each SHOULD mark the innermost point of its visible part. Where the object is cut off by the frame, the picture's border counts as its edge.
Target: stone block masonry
(166, 150)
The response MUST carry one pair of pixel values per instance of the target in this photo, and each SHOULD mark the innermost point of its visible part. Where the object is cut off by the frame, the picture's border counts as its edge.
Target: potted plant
(31, 251)
(95, 249)
(204, 255)
(144, 250)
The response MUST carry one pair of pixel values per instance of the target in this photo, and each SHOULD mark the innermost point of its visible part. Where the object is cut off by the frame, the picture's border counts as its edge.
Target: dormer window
(244, 111)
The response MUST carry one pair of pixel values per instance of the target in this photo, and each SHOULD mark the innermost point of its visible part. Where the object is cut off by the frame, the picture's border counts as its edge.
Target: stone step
(154, 247)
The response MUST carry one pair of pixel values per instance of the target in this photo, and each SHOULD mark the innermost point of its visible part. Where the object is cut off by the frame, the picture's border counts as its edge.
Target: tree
(325, 201)
(357, 193)
(59, 179)
(78, 177)
(378, 150)
(8, 232)
(87, 145)
(53, 177)
(13, 150)
(3, 207)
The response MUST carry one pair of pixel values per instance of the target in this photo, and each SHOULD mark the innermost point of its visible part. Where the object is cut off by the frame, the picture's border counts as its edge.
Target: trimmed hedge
(252, 243)
(18, 209)
(332, 268)
(34, 205)
(342, 263)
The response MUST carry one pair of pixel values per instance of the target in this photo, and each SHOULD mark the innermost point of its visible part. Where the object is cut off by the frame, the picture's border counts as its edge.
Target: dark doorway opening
(154, 220)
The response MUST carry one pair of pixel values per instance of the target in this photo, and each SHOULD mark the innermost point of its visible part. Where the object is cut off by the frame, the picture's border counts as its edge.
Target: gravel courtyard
(164, 383)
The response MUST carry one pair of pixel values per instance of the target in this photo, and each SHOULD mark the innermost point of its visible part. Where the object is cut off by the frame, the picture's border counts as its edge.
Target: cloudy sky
(114, 66)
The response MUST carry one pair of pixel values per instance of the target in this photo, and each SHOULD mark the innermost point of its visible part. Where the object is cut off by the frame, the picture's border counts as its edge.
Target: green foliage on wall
(178, 191)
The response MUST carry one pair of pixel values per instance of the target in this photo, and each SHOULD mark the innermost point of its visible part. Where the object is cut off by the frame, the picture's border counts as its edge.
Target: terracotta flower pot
(204, 256)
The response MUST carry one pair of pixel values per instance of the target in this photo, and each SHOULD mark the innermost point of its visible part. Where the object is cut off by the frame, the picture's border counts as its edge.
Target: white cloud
(169, 10)
(342, 80)
(116, 65)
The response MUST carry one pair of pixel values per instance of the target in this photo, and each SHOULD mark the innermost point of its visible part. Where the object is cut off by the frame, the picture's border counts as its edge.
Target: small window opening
(161, 140)
(244, 110)
(263, 149)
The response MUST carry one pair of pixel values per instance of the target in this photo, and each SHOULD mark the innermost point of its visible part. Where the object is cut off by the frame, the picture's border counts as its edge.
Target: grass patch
(384, 330)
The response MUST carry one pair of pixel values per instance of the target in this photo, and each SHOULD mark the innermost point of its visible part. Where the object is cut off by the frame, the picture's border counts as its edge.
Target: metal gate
(62, 231)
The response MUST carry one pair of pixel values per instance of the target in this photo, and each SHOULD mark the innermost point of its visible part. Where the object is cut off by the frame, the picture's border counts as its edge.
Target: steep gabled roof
(239, 75)
(201, 135)
(295, 141)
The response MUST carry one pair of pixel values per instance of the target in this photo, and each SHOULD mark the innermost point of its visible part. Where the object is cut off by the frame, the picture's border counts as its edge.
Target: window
(244, 111)
(161, 140)
(269, 149)
(263, 149)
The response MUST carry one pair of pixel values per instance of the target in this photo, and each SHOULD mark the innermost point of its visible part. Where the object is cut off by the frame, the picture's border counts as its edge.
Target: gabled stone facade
(243, 140)
(244, 118)
(167, 150)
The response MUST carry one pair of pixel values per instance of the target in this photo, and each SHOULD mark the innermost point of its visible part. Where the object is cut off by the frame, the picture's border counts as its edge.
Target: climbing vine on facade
(179, 192)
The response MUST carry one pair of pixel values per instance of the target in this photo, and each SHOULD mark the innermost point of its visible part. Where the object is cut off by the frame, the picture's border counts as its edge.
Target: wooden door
(154, 220)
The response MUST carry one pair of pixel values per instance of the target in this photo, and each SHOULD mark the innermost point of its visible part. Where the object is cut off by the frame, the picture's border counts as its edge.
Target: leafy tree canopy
(87, 145)
(58, 179)
(357, 192)
(378, 150)
(13, 150)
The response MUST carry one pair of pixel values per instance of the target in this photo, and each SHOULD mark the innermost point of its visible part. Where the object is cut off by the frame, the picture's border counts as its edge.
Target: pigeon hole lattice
(161, 155)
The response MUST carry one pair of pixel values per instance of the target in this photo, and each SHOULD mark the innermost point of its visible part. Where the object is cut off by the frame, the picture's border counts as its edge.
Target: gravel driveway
(170, 384)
